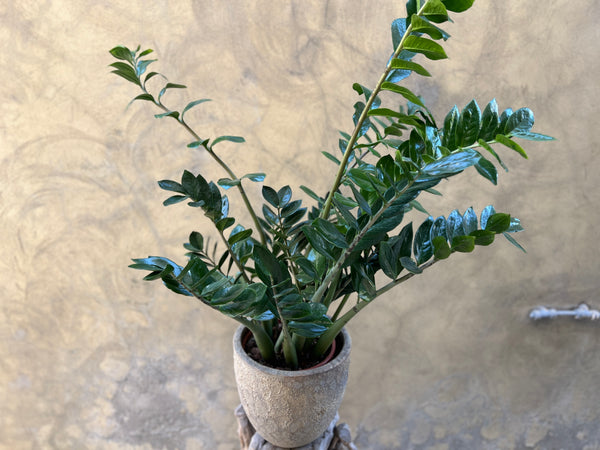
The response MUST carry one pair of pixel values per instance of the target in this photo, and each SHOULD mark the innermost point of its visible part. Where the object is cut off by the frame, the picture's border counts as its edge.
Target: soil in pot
(305, 359)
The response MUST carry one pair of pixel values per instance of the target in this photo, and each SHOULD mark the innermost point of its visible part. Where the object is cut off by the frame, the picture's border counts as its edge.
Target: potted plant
(296, 277)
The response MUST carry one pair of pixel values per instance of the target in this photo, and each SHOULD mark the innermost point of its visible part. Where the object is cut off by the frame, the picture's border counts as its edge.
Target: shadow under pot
(291, 408)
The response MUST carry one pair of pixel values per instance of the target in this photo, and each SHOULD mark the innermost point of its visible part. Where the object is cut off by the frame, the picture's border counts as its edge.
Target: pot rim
(339, 359)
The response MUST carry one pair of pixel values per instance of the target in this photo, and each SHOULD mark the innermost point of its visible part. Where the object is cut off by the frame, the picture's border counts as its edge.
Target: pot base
(336, 437)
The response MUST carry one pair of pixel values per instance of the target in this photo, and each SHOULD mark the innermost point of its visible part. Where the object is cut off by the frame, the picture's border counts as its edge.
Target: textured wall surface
(92, 357)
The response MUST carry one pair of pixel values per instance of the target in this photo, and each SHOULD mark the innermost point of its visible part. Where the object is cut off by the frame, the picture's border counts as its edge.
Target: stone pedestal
(336, 437)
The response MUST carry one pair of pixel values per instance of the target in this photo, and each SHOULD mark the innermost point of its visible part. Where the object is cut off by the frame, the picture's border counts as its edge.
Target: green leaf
(121, 52)
(435, 11)
(192, 104)
(312, 194)
(317, 242)
(487, 212)
(422, 247)
(449, 137)
(458, 5)
(224, 223)
(145, 52)
(489, 121)
(463, 244)
(170, 86)
(427, 47)
(441, 249)
(421, 25)
(125, 71)
(197, 240)
(487, 146)
(257, 177)
(197, 144)
(401, 64)
(330, 232)
(226, 183)
(174, 199)
(146, 97)
(330, 157)
(241, 236)
(173, 114)
(498, 223)
(236, 139)
(170, 185)
(487, 170)
(451, 164)
(398, 30)
(268, 264)
(511, 144)
(270, 195)
(386, 112)
(142, 66)
(520, 121)
(454, 225)
(468, 125)
(514, 242)
(469, 221)
(284, 195)
(410, 265)
(405, 92)
(533, 136)
(483, 237)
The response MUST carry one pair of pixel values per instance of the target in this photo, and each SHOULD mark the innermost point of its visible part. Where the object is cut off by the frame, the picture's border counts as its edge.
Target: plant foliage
(288, 277)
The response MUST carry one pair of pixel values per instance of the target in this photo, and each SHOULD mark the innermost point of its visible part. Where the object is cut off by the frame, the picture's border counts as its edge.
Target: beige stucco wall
(92, 357)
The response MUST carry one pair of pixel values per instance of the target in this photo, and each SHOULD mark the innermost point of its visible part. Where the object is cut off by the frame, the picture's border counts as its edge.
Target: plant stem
(327, 338)
(363, 116)
(234, 258)
(225, 167)
(263, 340)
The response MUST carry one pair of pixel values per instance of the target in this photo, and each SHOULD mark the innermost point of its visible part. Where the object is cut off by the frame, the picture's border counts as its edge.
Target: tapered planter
(290, 408)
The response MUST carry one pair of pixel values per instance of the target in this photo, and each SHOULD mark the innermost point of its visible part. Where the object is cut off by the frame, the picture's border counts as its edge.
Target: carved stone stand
(336, 437)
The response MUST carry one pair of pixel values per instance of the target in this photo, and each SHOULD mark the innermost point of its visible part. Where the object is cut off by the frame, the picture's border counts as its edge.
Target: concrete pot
(290, 408)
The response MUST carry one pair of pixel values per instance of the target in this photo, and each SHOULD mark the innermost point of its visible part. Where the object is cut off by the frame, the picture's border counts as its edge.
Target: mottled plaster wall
(91, 357)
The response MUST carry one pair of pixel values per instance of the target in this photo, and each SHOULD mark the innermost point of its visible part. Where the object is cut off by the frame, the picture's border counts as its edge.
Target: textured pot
(290, 408)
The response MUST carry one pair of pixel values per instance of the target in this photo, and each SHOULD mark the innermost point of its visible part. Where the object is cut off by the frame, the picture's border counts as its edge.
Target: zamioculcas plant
(295, 277)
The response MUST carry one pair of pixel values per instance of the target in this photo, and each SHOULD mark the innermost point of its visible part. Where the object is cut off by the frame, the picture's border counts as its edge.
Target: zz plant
(297, 276)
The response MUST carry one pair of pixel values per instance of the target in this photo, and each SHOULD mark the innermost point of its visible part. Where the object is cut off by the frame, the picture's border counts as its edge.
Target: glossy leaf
(227, 183)
(398, 29)
(427, 47)
(405, 92)
(454, 225)
(469, 221)
(450, 126)
(458, 5)
(121, 52)
(520, 121)
(468, 125)
(174, 199)
(533, 136)
(192, 104)
(487, 212)
(170, 185)
(401, 64)
(330, 233)
(235, 139)
(410, 265)
(463, 244)
(511, 144)
(435, 11)
(441, 249)
(451, 164)
(241, 236)
(422, 247)
(489, 121)
(498, 223)
(483, 237)
(487, 170)
(421, 25)
(270, 195)
(256, 177)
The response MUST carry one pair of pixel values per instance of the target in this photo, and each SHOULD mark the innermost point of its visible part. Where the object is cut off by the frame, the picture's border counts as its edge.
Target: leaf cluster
(289, 277)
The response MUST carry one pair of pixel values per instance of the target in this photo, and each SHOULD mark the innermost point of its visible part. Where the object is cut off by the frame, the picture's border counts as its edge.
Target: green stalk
(263, 341)
(327, 338)
(363, 116)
